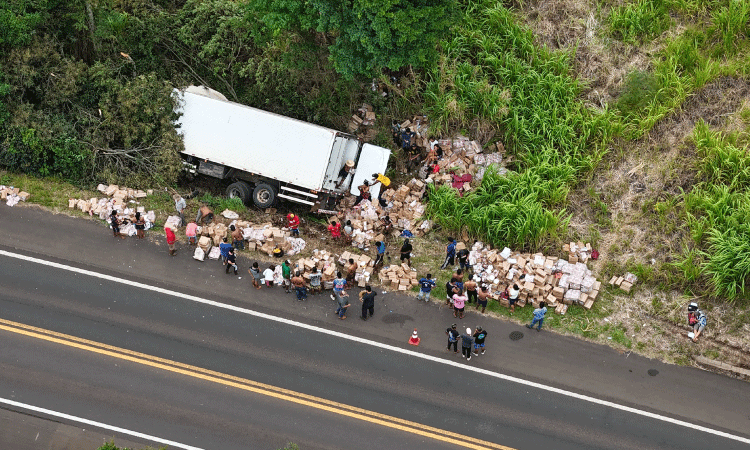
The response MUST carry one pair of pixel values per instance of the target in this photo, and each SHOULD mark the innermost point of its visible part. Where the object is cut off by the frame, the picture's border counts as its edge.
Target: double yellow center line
(251, 386)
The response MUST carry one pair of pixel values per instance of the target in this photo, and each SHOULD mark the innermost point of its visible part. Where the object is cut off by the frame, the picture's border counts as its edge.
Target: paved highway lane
(356, 374)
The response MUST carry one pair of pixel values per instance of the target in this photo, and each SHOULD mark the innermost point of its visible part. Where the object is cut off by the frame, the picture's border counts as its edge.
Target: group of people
(468, 339)
(415, 155)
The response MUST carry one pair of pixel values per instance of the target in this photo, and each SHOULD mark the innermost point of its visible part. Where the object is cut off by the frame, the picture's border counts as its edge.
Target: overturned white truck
(268, 156)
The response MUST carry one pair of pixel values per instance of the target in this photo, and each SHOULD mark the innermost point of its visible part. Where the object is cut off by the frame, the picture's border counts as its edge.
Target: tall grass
(718, 214)
(494, 72)
(731, 25)
(640, 20)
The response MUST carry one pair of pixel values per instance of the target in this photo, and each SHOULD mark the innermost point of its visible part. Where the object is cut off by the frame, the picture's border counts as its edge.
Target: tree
(369, 34)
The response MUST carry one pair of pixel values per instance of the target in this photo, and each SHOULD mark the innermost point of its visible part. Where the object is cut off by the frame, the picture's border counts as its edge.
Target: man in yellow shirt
(385, 181)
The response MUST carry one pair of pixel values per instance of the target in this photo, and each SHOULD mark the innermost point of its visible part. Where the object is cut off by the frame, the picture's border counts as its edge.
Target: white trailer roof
(254, 140)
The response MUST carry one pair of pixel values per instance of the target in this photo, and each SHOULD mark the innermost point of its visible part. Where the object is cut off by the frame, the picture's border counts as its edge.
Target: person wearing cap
(453, 335)
(286, 274)
(471, 289)
(180, 205)
(466, 341)
(385, 183)
(292, 221)
(479, 336)
(697, 319)
(344, 173)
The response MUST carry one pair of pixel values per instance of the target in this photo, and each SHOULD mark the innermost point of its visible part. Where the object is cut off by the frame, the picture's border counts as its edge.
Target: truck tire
(264, 195)
(241, 190)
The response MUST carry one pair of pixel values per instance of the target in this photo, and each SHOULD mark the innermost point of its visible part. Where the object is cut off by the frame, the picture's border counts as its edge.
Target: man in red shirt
(171, 239)
(335, 229)
(292, 221)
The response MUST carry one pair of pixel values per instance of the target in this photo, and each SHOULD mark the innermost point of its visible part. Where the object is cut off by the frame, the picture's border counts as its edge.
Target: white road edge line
(380, 346)
(97, 424)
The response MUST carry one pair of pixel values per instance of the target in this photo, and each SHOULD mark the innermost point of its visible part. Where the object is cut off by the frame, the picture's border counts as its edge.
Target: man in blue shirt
(538, 316)
(425, 287)
(450, 253)
(224, 248)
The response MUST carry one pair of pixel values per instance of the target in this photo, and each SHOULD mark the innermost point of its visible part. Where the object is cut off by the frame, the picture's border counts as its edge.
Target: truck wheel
(240, 190)
(264, 195)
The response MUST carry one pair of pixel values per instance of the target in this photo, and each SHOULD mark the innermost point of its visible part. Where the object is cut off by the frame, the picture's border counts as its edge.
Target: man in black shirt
(479, 336)
(463, 259)
(231, 261)
(453, 334)
(367, 297)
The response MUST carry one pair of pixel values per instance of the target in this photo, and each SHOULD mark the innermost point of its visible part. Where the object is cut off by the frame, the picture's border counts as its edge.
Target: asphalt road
(210, 415)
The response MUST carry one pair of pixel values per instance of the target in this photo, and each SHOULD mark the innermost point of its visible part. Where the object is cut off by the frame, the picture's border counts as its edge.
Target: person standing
(254, 272)
(140, 225)
(343, 303)
(463, 259)
(453, 335)
(286, 274)
(191, 231)
(513, 292)
(386, 224)
(180, 205)
(385, 183)
(292, 221)
(351, 273)
(450, 289)
(466, 341)
(171, 239)
(471, 289)
(231, 261)
(238, 241)
(205, 215)
(367, 297)
(348, 232)
(364, 192)
(479, 337)
(315, 278)
(406, 252)
(299, 286)
(459, 300)
(344, 173)
(224, 248)
(538, 316)
(115, 222)
(339, 283)
(425, 288)
(380, 248)
(450, 253)
(482, 297)
(268, 275)
(335, 229)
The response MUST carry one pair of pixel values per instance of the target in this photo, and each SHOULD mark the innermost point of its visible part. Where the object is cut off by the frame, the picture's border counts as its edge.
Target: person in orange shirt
(292, 221)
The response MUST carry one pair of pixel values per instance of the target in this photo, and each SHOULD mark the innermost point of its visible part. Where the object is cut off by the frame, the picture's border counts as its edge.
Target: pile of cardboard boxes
(466, 157)
(13, 195)
(558, 282)
(398, 277)
(266, 237)
(362, 122)
(624, 282)
(405, 210)
(578, 251)
(117, 198)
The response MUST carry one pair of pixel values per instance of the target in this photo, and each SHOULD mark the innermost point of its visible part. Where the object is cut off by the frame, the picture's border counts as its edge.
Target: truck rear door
(373, 159)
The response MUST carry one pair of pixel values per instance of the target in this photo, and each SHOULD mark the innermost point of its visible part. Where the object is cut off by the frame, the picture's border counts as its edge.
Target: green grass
(494, 73)
(643, 19)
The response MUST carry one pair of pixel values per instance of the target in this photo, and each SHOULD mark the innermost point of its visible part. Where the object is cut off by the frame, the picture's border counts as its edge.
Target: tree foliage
(368, 35)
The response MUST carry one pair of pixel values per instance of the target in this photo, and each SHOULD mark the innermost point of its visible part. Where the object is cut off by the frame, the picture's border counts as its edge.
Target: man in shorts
(425, 287)
(479, 336)
(513, 292)
(482, 297)
(453, 335)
